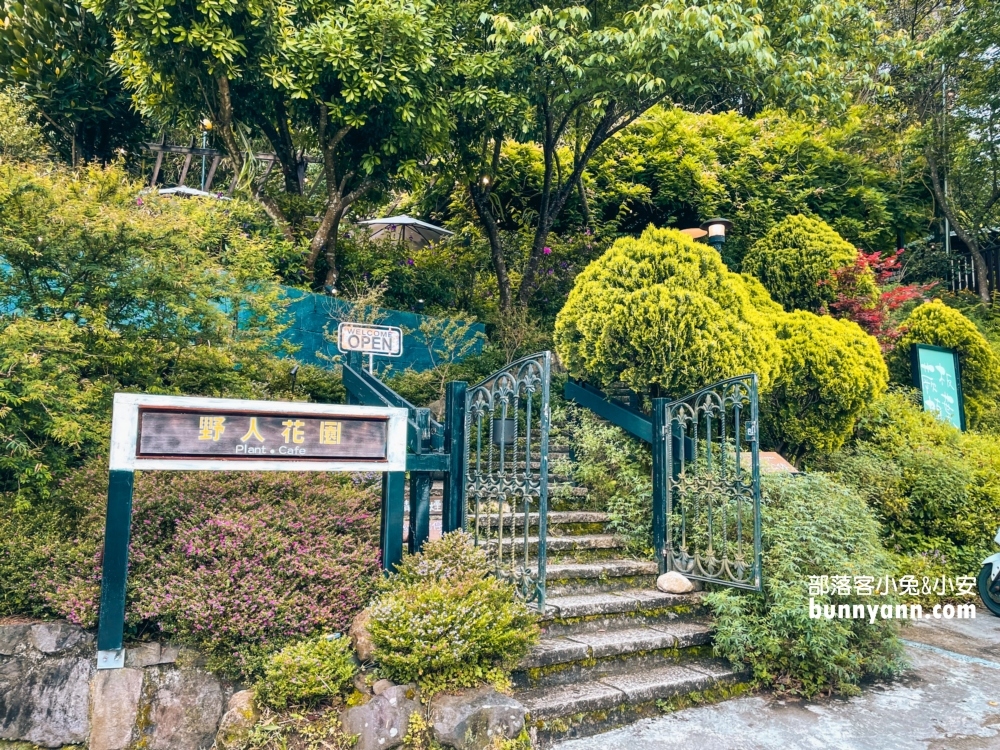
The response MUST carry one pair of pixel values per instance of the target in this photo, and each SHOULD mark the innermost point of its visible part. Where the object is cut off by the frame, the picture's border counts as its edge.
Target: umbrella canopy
(406, 229)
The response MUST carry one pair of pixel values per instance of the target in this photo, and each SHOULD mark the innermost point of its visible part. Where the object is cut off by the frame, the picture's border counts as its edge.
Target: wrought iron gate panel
(506, 458)
(713, 491)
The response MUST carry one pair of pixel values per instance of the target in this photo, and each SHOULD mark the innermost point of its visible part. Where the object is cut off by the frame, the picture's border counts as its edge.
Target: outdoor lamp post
(206, 125)
(717, 229)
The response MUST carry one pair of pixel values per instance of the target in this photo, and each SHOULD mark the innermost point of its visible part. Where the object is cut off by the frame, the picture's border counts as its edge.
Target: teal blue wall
(313, 317)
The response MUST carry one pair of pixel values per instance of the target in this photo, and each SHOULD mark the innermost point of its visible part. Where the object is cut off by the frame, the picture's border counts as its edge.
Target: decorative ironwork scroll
(507, 452)
(713, 485)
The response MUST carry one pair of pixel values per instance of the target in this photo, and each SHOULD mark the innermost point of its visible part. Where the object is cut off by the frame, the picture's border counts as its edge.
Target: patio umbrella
(406, 229)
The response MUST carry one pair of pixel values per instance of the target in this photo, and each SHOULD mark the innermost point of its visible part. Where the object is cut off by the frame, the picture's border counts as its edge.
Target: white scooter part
(994, 560)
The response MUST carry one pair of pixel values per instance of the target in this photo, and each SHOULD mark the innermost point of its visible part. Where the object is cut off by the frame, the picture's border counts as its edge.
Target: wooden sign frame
(126, 459)
(125, 434)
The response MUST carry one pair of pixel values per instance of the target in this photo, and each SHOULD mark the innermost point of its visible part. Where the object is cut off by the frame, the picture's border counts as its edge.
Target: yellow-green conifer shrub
(830, 371)
(796, 261)
(937, 324)
(663, 310)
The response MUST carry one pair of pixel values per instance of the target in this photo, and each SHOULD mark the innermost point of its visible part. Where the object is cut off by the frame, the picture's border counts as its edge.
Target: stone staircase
(614, 649)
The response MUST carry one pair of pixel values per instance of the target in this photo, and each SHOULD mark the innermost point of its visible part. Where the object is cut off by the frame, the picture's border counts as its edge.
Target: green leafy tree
(948, 91)
(59, 58)
(101, 290)
(797, 261)
(937, 324)
(20, 138)
(572, 77)
(364, 82)
(664, 311)
(674, 167)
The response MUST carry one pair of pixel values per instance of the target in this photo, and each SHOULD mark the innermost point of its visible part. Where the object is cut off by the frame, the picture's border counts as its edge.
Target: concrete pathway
(948, 700)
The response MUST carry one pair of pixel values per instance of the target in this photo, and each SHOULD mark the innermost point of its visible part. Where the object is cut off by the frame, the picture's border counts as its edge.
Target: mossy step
(585, 708)
(574, 578)
(580, 542)
(589, 656)
(560, 523)
(594, 612)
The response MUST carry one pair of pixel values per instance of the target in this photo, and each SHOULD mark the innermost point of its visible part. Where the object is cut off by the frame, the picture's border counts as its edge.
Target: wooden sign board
(184, 433)
(384, 341)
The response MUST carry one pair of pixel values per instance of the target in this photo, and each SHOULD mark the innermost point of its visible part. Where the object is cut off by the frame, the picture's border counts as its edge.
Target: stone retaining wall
(51, 693)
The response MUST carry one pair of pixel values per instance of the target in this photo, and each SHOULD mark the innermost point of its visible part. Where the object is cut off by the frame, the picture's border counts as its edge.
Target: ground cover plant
(811, 526)
(444, 622)
(237, 564)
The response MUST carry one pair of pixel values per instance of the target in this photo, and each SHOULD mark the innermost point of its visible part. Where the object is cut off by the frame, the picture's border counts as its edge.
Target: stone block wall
(52, 695)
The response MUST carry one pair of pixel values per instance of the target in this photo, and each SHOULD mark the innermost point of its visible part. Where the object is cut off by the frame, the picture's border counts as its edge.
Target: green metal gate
(706, 512)
(706, 477)
(506, 459)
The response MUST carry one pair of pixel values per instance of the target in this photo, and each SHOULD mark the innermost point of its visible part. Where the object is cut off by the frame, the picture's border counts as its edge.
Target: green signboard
(936, 373)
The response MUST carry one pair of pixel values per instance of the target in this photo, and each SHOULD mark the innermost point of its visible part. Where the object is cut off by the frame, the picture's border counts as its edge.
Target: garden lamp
(717, 229)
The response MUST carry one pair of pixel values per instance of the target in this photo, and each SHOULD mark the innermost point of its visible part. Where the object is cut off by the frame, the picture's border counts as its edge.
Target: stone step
(583, 547)
(585, 708)
(560, 523)
(608, 610)
(581, 657)
(572, 578)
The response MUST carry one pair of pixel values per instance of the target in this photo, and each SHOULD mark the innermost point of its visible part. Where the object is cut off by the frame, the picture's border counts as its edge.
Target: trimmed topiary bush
(937, 324)
(663, 310)
(812, 526)
(447, 625)
(796, 261)
(307, 673)
(830, 371)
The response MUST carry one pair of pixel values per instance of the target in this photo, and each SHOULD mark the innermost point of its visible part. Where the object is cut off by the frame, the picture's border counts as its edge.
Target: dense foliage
(830, 371)
(444, 622)
(936, 490)
(937, 324)
(812, 527)
(305, 673)
(237, 564)
(663, 311)
(797, 261)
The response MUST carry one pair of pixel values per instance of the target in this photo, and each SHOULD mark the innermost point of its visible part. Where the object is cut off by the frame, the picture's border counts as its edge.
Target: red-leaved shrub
(235, 563)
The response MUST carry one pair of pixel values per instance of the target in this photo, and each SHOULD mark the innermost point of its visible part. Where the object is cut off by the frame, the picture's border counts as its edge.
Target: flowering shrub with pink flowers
(238, 564)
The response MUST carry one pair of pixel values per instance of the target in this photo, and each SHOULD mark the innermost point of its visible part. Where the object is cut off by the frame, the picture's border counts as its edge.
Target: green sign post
(936, 372)
(176, 433)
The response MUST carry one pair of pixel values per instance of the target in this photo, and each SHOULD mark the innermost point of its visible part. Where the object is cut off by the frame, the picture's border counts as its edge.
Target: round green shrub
(307, 673)
(796, 261)
(937, 324)
(452, 556)
(444, 624)
(663, 310)
(812, 526)
(830, 371)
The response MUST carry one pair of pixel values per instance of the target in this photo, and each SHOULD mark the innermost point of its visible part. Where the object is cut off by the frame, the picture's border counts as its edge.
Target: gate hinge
(752, 430)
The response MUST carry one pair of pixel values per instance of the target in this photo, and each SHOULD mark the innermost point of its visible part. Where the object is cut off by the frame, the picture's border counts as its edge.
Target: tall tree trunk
(481, 201)
(331, 252)
(224, 118)
(279, 136)
(969, 238)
